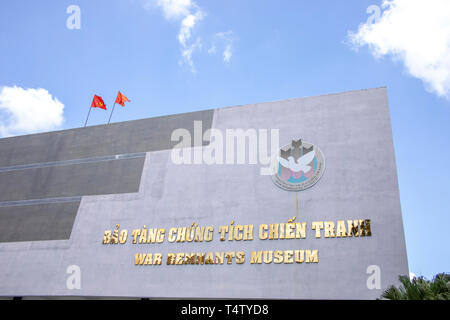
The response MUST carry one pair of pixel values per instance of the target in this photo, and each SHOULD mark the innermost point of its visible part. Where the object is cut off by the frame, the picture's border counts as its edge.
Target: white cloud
(213, 49)
(226, 39)
(227, 53)
(412, 275)
(187, 53)
(187, 24)
(189, 14)
(175, 9)
(415, 32)
(24, 111)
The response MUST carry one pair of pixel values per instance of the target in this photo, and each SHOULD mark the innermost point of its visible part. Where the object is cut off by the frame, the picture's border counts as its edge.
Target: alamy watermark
(229, 147)
(375, 14)
(73, 281)
(374, 280)
(73, 22)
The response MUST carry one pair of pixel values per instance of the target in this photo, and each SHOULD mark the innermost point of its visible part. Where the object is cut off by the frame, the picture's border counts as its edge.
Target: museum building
(291, 199)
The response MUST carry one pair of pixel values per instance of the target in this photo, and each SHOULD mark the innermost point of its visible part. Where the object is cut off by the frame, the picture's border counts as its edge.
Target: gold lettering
(160, 235)
(281, 231)
(268, 256)
(273, 231)
(143, 237)
(157, 258)
(123, 236)
(352, 228)
(329, 229)
(290, 230)
(312, 256)
(365, 228)
(299, 256)
(170, 258)
(219, 257)
(115, 236)
(107, 237)
(263, 231)
(230, 233)
(172, 235)
(151, 235)
(238, 232)
(255, 257)
(300, 231)
(278, 256)
(209, 231)
(135, 233)
(148, 259)
(199, 234)
(229, 256)
(317, 225)
(240, 256)
(190, 258)
(248, 232)
(200, 258)
(181, 234)
(288, 256)
(223, 230)
(190, 234)
(139, 258)
(179, 258)
(341, 231)
(209, 259)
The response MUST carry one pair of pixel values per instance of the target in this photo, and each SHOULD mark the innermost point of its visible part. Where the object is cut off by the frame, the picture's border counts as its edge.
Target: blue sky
(276, 50)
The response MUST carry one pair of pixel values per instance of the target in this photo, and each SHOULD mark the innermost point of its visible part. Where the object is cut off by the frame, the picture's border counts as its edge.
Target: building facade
(293, 199)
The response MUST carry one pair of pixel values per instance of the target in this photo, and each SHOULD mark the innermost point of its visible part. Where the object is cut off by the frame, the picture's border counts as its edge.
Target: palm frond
(420, 289)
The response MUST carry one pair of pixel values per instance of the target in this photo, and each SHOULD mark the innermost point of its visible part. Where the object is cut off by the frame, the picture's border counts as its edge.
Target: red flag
(121, 99)
(98, 103)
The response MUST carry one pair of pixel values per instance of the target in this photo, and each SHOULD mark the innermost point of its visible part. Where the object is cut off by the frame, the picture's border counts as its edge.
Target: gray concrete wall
(54, 166)
(74, 180)
(353, 131)
(49, 221)
(93, 141)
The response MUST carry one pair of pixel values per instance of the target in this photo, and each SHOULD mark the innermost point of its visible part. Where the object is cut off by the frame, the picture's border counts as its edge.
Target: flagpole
(88, 116)
(111, 113)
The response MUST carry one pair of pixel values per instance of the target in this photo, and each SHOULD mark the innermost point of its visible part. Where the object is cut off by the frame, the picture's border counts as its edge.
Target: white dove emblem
(301, 164)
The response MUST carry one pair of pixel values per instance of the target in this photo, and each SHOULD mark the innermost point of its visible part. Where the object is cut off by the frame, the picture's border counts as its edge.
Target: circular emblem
(299, 166)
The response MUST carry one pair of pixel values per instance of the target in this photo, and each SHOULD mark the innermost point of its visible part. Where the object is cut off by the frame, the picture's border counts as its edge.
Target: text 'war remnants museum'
(294, 199)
